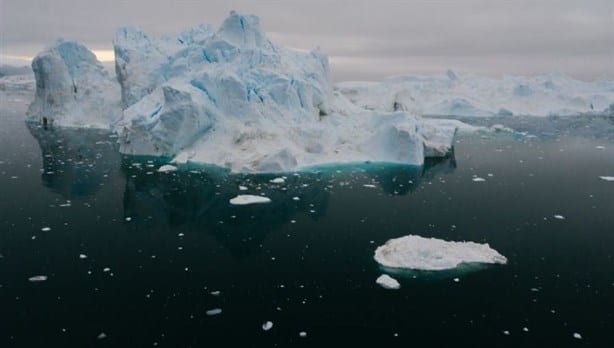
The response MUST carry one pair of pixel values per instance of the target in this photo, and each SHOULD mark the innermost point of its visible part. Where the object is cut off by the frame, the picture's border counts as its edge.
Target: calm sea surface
(137, 258)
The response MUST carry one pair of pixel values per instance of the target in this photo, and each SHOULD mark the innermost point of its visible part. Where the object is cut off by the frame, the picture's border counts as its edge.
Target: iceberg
(249, 199)
(228, 97)
(431, 254)
(455, 95)
(73, 89)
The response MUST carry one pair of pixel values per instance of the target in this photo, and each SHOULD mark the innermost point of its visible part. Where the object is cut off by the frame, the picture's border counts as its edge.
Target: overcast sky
(365, 40)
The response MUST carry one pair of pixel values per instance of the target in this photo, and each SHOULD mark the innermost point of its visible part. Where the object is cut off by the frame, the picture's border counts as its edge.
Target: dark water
(305, 265)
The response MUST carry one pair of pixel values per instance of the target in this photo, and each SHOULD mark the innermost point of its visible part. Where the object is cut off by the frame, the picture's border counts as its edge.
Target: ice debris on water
(268, 325)
(167, 168)
(279, 180)
(249, 199)
(415, 252)
(214, 311)
(46, 229)
(607, 178)
(38, 278)
(387, 282)
(559, 217)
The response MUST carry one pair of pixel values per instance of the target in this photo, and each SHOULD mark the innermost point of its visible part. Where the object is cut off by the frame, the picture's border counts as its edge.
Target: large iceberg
(228, 97)
(431, 254)
(73, 89)
(233, 98)
(453, 95)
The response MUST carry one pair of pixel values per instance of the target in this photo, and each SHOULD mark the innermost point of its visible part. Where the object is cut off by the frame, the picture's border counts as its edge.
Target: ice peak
(242, 31)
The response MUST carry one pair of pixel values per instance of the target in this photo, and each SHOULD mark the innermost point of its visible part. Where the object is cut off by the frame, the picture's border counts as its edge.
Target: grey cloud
(522, 36)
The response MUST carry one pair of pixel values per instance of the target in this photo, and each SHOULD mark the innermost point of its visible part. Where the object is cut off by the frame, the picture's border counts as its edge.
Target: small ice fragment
(249, 199)
(296, 198)
(369, 185)
(559, 217)
(387, 282)
(106, 269)
(577, 336)
(456, 280)
(277, 181)
(46, 229)
(478, 179)
(302, 334)
(525, 329)
(101, 336)
(128, 218)
(167, 168)
(38, 278)
(600, 147)
(82, 256)
(505, 332)
(215, 293)
(607, 178)
(242, 188)
(268, 325)
(214, 311)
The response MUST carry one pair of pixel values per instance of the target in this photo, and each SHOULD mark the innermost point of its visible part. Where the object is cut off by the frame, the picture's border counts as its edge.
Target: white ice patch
(38, 278)
(607, 178)
(431, 254)
(278, 181)
(249, 199)
(478, 179)
(559, 217)
(267, 326)
(214, 311)
(387, 282)
(167, 168)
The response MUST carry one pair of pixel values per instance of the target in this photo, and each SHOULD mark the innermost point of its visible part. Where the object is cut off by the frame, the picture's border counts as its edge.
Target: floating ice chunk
(387, 282)
(600, 147)
(249, 199)
(268, 325)
(242, 188)
(38, 278)
(607, 178)
(559, 217)
(279, 180)
(478, 179)
(369, 186)
(302, 334)
(167, 168)
(577, 336)
(82, 256)
(431, 254)
(46, 229)
(214, 311)
(101, 336)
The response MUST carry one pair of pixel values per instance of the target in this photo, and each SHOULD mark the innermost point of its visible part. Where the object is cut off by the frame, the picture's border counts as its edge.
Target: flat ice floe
(387, 282)
(431, 254)
(167, 168)
(249, 199)
(38, 278)
(607, 178)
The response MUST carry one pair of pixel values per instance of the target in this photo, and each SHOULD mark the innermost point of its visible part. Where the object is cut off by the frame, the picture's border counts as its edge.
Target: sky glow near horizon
(365, 40)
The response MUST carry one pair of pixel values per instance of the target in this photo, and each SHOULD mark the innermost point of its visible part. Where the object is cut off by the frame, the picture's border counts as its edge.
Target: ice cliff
(73, 89)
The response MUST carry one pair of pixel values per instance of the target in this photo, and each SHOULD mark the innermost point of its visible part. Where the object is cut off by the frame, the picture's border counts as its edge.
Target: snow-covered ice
(387, 282)
(249, 199)
(607, 178)
(431, 254)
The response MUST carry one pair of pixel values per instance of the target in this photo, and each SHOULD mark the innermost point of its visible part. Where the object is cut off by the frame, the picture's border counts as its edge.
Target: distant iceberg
(455, 95)
(431, 254)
